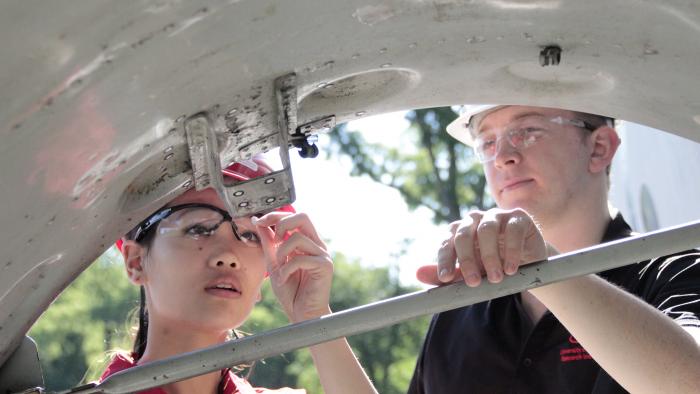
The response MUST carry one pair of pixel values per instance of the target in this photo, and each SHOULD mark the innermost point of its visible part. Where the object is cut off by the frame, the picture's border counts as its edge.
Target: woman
(201, 273)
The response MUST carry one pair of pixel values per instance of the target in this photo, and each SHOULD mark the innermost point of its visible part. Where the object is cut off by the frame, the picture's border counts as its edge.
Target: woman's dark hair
(142, 331)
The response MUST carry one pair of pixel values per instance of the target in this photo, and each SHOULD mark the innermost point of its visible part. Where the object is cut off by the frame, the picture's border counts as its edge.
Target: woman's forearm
(339, 370)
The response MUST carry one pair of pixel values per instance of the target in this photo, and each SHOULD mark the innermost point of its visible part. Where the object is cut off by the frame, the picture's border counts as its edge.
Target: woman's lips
(224, 293)
(225, 286)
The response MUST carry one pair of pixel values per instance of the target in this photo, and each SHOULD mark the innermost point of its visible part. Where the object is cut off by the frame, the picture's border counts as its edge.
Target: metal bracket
(257, 195)
(316, 126)
(204, 156)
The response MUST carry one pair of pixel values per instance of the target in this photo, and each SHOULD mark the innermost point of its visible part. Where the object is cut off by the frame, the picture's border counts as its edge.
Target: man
(634, 328)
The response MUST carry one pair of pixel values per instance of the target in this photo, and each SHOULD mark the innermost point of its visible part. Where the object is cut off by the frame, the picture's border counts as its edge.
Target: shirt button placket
(527, 362)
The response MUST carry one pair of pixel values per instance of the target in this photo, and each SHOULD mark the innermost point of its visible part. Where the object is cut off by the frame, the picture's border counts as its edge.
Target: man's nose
(506, 153)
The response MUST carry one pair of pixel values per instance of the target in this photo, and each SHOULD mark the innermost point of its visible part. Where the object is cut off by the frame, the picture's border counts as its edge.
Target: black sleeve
(417, 385)
(673, 287)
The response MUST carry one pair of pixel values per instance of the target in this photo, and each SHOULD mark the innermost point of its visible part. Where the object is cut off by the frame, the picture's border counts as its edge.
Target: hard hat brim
(461, 129)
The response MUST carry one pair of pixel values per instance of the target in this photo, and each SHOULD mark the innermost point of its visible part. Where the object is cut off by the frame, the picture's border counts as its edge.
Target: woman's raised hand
(300, 267)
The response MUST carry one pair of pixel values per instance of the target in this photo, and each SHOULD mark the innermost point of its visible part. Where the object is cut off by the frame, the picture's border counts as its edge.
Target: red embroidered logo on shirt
(574, 353)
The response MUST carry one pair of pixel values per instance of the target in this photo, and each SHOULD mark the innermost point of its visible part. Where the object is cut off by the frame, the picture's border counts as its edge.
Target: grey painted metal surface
(399, 309)
(94, 94)
(22, 369)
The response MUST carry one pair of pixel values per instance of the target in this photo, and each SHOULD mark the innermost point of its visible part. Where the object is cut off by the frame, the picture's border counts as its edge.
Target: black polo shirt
(493, 346)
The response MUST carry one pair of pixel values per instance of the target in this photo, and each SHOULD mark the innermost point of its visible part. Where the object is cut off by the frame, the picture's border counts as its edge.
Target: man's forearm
(641, 348)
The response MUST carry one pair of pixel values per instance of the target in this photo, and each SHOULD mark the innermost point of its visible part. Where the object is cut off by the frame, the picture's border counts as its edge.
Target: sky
(363, 219)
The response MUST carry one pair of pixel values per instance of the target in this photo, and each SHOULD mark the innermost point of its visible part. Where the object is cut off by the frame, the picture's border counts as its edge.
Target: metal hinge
(258, 195)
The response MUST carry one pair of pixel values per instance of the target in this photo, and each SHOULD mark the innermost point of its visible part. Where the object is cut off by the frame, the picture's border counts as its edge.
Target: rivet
(360, 113)
(269, 180)
(270, 200)
(243, 204)
(238, 193)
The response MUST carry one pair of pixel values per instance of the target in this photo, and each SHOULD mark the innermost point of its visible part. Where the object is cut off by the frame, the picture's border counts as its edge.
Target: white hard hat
(460, 128)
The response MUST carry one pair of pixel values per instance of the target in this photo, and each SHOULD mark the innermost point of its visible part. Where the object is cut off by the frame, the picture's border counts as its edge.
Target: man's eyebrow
(526, 114)
(516, 117)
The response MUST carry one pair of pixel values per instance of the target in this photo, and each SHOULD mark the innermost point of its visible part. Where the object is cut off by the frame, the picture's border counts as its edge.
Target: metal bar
(395, 310)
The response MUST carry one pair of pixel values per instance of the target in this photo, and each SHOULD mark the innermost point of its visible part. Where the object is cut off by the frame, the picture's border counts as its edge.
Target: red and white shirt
(232, 384)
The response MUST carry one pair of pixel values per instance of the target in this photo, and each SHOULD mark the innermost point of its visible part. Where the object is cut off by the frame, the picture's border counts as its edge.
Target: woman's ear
(134, 255)
(605, 142)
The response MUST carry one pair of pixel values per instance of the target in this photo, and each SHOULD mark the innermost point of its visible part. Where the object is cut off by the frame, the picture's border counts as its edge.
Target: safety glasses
(521, 134)
(196, 221)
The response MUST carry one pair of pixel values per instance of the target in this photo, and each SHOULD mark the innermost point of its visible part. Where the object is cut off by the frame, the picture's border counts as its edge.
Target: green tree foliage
(388, 355)
(79, 332)
(435, 171)
(87, 320)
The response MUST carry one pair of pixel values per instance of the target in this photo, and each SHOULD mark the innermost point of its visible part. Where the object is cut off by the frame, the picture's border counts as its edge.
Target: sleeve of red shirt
(120, 362)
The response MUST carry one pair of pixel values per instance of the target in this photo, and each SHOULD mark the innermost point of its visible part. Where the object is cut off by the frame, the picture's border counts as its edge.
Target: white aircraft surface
(98, 98)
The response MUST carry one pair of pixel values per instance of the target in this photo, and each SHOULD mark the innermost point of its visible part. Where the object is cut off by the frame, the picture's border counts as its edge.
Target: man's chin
(526, 204)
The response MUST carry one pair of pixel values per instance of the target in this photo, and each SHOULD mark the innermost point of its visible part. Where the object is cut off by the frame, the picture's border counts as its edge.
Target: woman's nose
(224, 251)
(231, 263)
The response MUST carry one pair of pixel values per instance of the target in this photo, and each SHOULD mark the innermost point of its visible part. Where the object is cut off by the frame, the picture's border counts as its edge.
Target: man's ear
(258, 297)
(605, 142)
(134, 255)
